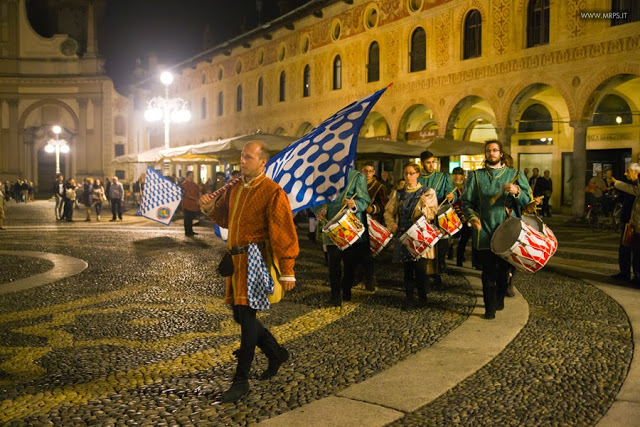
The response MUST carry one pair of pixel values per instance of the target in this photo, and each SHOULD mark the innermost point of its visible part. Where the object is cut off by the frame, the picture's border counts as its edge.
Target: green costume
(356, 184)
(481, 186)
(440, 182)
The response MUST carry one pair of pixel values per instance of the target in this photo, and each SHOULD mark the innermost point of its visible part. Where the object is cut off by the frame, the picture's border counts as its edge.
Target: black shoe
(459, 263)
(273, 367)
(236, 392)
(336, 302)
(621, 276)
(500, 306)
(346, 296)
(409, 304)
(112, 220)
(489, 316)
(422, 302)
(437, 283)
(191, 235)
(510, 292)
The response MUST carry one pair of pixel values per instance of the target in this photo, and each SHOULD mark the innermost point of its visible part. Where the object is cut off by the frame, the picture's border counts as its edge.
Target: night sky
(172, 29)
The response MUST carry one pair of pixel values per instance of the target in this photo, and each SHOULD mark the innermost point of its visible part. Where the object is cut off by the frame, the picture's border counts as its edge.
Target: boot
(274, 364)
(237, 391)
(410, 302)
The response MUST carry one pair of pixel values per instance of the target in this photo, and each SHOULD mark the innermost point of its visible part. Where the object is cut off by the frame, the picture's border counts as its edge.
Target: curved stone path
(63, 266)
(141, 337)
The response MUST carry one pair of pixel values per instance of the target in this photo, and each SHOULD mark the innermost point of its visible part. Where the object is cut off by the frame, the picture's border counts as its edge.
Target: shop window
(119, 150)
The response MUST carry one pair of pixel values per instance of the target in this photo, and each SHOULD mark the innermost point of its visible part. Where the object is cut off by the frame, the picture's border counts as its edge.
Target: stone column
(504, 136)
(95, 152)
(578, 166)
(16, 149)
(81, 137)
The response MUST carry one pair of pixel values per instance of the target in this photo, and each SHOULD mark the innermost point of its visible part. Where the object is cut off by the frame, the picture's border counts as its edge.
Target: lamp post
(57, 146)
(168, 110)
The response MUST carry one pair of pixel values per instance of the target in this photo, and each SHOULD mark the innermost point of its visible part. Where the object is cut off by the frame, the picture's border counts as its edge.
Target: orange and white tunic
(255, 212)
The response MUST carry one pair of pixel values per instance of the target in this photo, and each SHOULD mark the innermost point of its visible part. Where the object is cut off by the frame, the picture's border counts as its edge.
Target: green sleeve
(470, 197)
(362, 194)
(525, 196)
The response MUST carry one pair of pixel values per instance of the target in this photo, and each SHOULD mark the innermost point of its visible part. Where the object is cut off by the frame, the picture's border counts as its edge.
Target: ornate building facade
(558, 86)
(45, 82)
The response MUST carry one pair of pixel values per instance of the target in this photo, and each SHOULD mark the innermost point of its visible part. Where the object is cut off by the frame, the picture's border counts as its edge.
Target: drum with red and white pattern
(420, 237)
(344, 229)
(379, 236)
(525, 243)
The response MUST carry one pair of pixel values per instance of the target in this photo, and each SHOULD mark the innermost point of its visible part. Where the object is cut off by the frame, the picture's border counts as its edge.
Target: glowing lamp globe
(49, 148)
(166, 78)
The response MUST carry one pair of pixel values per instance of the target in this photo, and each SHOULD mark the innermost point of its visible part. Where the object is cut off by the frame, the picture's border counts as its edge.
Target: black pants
(252, 334)
(189, 216)
(343, 282)
(116, 207)
(465, 234)
(495, 277)
(415, 277)
(441, 251)
(68, 210)
(628, 260)
(545, 206)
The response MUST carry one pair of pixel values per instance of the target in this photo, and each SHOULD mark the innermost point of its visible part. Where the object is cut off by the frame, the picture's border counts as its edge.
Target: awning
(368, 148)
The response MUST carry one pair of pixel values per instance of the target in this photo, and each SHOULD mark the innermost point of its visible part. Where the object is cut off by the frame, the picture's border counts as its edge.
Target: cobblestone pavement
(142, 336)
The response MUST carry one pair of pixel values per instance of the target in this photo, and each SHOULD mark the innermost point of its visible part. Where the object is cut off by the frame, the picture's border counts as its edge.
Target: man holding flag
(258, 215)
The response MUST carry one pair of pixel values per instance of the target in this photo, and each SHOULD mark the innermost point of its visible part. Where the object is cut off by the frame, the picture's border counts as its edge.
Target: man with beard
(443, 187)
(490, 198)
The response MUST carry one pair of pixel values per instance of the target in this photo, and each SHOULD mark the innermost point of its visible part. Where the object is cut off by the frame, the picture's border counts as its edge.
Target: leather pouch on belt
(225, 268)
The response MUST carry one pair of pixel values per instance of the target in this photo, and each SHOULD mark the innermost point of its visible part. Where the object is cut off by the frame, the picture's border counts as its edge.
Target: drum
(379, 236)
(420, 237)
(344, 229)
(448, 221)
(525, 243)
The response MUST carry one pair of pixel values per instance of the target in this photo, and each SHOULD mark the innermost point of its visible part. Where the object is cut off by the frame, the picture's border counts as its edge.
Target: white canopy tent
(368, 148)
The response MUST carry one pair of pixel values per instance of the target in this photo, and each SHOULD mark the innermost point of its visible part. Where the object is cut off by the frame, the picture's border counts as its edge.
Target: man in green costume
(490, 197)
(355, 197)
(443, 187)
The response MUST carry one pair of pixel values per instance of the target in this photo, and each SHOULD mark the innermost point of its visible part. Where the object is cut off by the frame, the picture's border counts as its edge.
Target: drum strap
(344, 194)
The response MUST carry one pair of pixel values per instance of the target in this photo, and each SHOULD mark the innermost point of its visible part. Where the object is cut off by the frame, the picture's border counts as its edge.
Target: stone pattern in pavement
(564, 368)
(142, 336)
(16, 268)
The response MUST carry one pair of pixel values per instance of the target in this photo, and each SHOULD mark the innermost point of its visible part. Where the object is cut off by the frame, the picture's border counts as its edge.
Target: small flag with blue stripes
(160, 198)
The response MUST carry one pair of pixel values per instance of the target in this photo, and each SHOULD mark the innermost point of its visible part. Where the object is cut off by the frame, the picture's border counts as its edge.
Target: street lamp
(168, 110)
(57, 146)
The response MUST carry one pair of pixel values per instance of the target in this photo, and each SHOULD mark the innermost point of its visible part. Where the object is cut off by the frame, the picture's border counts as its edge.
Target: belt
(237, 250)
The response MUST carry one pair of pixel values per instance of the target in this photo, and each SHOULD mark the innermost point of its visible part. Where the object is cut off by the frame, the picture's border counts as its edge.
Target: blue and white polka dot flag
(160, 198)
(313, 170)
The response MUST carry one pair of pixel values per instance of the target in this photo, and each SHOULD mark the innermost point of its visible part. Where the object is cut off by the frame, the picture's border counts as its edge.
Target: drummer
(404, 208)
(443, 187)
(488, 199)
(378, 200)
(355, 198)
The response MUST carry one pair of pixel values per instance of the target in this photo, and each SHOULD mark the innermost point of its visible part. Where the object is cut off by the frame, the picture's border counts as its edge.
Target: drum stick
(497, 196)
